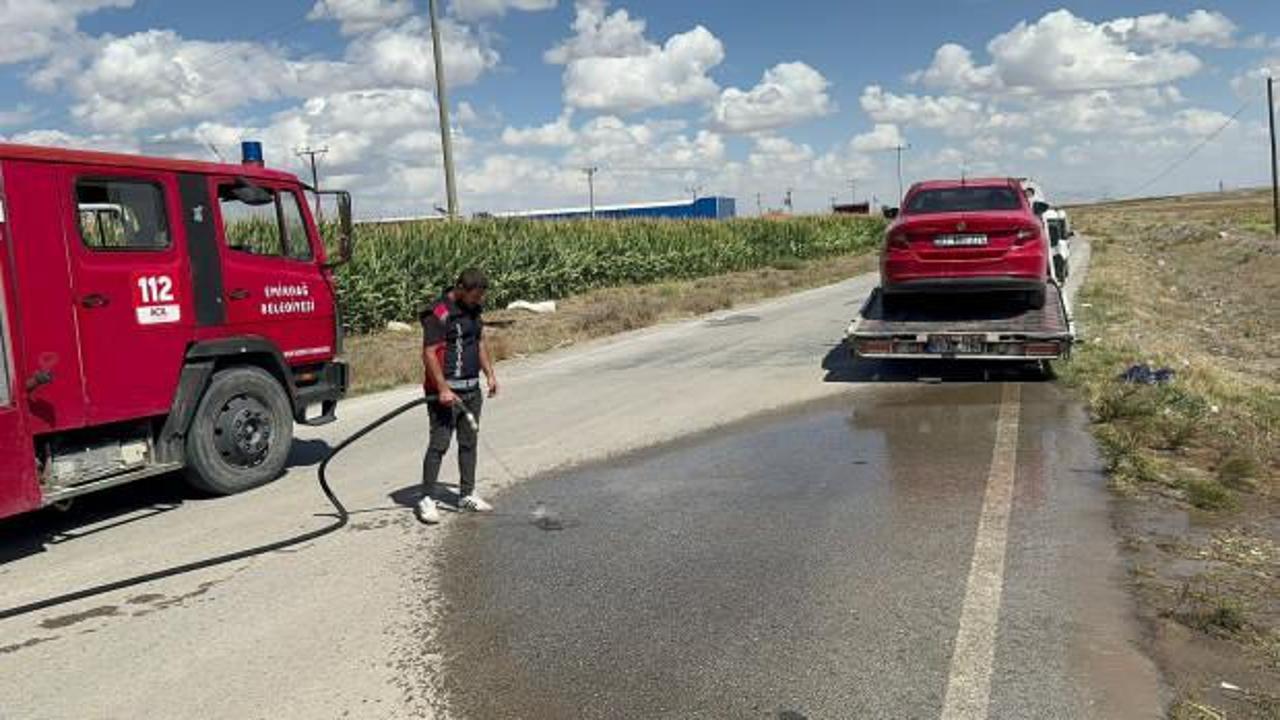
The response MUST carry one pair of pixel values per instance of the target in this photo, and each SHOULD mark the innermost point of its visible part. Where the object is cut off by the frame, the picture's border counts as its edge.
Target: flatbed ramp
(987, 327)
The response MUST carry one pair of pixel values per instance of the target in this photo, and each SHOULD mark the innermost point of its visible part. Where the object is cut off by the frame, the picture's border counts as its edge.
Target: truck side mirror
(346, 228)
(890, 212)
(1040, 207)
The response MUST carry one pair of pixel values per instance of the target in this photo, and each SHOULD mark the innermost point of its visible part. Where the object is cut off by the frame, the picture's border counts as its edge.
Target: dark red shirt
(454, 330)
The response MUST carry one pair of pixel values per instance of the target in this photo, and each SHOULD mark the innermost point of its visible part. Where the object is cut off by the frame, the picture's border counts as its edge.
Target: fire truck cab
(158, 315)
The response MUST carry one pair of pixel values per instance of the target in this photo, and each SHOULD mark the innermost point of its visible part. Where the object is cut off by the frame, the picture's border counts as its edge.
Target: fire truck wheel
(241, 433)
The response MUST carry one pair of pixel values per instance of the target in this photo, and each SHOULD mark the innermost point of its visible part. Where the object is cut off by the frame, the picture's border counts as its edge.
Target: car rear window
(963, 199)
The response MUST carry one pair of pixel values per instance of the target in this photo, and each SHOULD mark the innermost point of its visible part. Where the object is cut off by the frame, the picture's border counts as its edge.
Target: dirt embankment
(1193, 284)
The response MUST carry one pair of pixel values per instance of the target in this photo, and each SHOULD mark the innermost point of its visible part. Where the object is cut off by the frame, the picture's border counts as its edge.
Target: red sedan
(966, 236)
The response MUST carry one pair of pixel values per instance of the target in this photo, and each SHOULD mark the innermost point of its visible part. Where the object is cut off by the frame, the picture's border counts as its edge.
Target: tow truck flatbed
(987, 327)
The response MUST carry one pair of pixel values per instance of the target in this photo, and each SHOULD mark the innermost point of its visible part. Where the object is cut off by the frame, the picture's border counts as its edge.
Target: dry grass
(388, 359)
(1193, 284)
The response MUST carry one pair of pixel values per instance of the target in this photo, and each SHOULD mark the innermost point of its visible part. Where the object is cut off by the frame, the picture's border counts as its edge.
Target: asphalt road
(822, 559)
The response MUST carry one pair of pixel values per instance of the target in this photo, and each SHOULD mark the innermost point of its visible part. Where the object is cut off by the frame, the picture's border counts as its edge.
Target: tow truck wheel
(241, 432)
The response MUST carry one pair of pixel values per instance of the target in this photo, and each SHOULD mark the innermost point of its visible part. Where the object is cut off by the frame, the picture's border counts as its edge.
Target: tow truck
(973, 328)
(968, 241)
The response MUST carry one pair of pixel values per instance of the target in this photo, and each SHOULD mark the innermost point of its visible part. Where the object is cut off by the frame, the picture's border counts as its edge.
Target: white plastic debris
(400, 327)
(1228, 686)
(542, 308)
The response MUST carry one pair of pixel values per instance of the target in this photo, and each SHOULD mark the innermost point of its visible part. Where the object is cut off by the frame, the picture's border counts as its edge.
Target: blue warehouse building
(705, 208)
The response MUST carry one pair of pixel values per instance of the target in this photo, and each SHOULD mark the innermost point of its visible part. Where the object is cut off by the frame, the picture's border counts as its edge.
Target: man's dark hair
(472, 279)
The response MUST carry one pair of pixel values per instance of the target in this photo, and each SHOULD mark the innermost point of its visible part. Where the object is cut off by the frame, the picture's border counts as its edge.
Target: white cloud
(158, 79)
(479, 9)
(611, 142)
(32, 29)
(884, 136)
(20, 115)
(787, 94)
(61, 138)
(953, 67)
(597, 33)
(557, 133)
(611, 67)
(1200, 122)
(359, 16)
(952, 114)
(1061, 52)
(772, 152)
(401, 55)
(1200, 27)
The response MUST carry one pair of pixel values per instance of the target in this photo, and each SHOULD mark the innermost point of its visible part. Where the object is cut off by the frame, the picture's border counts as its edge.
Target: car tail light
(1025, 235)
(867, 347)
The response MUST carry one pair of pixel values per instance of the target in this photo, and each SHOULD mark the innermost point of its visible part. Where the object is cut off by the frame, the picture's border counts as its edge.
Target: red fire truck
(158, 315)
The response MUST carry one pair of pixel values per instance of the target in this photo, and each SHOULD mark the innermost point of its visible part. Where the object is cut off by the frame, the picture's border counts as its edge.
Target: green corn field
(398, 268)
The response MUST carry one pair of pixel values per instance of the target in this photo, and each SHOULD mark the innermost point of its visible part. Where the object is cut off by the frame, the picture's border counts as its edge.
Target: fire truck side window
(295, 227)
(264, 222)
(121, 214)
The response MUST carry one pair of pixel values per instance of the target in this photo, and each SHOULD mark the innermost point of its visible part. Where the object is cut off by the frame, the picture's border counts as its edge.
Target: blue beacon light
(251, 153)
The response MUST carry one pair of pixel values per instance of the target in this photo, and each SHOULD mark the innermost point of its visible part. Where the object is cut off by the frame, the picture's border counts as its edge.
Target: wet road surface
(814, 563)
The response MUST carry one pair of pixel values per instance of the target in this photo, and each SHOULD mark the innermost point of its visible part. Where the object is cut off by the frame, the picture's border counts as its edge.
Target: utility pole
(591, 187)
(442, 104)
(311, 153)
(1275, 181)
(695, 191)
(759, 205)
(787, 201)
(853, 190)
(899, 148)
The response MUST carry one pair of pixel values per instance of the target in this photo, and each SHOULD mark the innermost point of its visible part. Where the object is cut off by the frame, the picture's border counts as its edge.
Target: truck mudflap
(326, 389)
(962, 328)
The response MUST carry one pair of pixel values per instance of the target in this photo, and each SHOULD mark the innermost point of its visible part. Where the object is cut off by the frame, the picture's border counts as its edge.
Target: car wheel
(241, 434)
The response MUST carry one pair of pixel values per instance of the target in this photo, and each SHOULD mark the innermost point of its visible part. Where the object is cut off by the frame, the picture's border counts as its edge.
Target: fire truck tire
(241, 433)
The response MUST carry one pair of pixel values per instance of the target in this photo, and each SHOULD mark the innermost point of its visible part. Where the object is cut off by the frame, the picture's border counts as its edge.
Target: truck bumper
(329, 387)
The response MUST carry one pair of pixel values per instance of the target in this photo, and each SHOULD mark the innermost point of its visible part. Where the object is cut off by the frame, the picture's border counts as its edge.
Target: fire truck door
(132, 289)
(272, 280)
(47, 380)
(18, 488)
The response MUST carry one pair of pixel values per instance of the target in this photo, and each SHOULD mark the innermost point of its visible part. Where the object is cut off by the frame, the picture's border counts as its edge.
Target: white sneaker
(427, 511)
(474, 503)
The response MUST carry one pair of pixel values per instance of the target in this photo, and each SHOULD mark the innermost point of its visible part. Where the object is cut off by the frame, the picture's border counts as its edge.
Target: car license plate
(955, 344)
(960, 240)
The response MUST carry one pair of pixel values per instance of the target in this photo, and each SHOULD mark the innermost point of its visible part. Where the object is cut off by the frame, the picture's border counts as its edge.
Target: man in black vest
(453, 355)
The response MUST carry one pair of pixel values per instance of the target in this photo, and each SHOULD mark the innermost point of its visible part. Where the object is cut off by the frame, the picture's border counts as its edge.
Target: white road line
(969, 683)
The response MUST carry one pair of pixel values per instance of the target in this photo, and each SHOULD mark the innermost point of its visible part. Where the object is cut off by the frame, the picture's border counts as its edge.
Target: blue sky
(666, 98)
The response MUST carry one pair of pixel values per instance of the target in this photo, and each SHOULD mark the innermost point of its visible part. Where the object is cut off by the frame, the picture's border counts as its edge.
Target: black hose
(340, 521)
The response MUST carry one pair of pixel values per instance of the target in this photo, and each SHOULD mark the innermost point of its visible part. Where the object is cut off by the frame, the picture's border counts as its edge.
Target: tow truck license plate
(960, 240)
(955, 344)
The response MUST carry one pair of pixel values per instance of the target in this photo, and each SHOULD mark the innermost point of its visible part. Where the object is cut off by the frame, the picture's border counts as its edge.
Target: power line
(1196, 148)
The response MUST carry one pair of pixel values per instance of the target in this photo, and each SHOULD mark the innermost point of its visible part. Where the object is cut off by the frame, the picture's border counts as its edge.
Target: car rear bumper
(964, 285)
